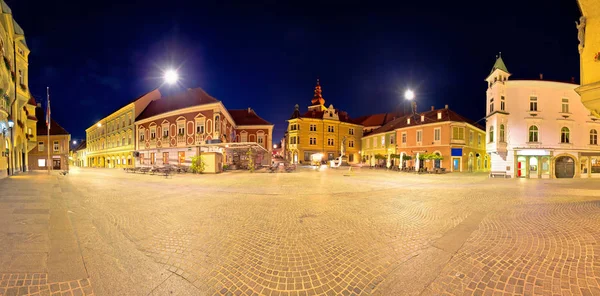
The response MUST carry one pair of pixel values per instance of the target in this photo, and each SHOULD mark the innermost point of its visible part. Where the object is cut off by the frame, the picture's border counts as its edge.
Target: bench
(494, 174)
(144, 170)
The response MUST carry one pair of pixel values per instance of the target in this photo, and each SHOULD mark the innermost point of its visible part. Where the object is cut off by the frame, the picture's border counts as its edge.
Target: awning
(236, 146)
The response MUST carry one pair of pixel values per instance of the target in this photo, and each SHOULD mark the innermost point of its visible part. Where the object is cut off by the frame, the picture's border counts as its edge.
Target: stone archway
(564, 166)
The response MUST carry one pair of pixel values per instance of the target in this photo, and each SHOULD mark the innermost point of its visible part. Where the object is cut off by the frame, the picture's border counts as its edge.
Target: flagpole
(48, 122)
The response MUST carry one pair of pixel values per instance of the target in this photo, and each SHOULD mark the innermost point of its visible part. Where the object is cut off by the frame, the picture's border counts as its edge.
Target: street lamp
(99, 124)
(171, 77)
(409, 95)
(274, 146)
(10, 168)
(74, 142)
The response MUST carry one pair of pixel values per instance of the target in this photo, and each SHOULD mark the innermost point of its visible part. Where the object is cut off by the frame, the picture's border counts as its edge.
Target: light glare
(409, 94)
(171, 77)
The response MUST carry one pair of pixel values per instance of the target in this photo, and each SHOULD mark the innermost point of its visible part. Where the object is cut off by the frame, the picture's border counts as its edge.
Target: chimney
(446, 107)
(249, 110)
(541, 76)
(432, 108)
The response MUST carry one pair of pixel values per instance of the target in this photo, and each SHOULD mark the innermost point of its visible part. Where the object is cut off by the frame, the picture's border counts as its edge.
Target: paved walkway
(332, 232)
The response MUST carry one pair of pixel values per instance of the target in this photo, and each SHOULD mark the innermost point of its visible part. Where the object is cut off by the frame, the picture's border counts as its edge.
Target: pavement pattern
(330, 232)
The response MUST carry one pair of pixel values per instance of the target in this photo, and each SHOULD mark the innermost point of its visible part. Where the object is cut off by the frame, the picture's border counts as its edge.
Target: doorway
(455, 164)
(565, 167)
(522, 167)
(56, 164)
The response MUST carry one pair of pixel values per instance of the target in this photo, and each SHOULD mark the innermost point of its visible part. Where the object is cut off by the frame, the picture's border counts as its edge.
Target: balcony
(199, 139)
(4, 105)
(181, 140)
(458, 141)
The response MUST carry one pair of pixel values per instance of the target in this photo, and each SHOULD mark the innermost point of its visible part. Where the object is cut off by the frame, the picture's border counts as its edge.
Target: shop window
(165, 157)
(595, 168)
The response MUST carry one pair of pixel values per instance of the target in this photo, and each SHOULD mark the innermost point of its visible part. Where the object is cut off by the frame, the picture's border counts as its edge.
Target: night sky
(268, 54)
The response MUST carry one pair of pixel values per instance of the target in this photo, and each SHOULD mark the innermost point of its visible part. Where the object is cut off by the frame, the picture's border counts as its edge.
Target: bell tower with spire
(497, 110)
(318, 103)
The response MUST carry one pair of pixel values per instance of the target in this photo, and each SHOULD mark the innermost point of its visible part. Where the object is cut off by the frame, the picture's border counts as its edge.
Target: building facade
(110, 141)
(457, 142)
(588, 34)
(322, 131)
(17, 108)
(173, 130)
(57, 144)
(378, 146)
(539, 129)
(79, 155)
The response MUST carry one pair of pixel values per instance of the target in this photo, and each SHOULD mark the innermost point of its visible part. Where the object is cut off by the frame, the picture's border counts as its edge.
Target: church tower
(318, 103)
(497, 110)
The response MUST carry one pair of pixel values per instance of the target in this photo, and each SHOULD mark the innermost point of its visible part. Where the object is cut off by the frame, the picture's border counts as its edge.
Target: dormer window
(422, 118)
(439, 115)
(408, 121)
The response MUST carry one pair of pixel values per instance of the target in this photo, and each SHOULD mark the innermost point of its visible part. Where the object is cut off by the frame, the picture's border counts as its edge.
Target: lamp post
(10, 168)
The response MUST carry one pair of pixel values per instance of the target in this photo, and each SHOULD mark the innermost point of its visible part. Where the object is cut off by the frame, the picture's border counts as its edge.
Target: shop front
(590, 164)
(533, 163)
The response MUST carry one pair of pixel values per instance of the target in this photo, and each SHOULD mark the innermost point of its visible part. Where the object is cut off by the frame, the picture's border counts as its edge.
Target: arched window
(564, 135)
(593, 137)
(501, 133)
(491, 133)
(533, 133)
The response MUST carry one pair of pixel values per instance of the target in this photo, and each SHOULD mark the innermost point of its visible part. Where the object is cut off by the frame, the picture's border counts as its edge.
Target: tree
(250, 160)
(198, 165)
(406, 157)
(380, 156)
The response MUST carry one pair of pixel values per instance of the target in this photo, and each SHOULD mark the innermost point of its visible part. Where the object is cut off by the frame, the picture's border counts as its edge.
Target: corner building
(172, 130)
(58, 145)
(589, 53)
(110, 141)
(539, 129)
(17, 106)
(322, 130)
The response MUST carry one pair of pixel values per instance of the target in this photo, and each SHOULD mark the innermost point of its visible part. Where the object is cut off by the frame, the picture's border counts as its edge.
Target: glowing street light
(171, 77)
(74, 142)
(409, 95)
(274, 146)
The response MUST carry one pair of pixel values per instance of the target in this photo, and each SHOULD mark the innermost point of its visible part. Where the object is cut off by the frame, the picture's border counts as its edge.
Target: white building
(539, 129)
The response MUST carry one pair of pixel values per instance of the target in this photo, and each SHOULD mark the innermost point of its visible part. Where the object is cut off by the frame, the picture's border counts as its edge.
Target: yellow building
(110, 141)
(17, 107)
(589, 50)
(323, 132)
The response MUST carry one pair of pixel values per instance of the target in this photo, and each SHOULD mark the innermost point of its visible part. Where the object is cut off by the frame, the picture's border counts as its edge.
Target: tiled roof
(82, 145)
(429, 117)
(189, 98)
(247, 117)
(42, 130)
(378, 119)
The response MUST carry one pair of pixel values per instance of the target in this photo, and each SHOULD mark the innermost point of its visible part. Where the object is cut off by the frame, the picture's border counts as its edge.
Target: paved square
(334, 232)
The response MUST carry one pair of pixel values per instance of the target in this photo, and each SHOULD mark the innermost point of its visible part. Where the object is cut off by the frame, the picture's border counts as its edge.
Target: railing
(3, 104)
(181, 139)
(199, 139)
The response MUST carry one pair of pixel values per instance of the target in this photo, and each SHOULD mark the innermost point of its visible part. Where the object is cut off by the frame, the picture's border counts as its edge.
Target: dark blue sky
(267, 54)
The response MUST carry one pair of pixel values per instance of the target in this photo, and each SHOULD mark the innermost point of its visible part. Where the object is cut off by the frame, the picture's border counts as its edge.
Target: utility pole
(48, 123)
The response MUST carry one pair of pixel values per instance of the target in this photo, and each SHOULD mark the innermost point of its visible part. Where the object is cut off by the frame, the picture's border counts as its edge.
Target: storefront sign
(533, 152)
(456, 151)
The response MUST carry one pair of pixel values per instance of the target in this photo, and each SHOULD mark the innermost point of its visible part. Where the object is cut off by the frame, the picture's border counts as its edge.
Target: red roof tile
(247, 117)
(343, 115)
(378, 119)
(189, 98)
(429, 117)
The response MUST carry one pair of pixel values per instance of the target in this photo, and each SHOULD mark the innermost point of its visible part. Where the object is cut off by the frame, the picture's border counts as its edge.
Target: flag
(48, 111)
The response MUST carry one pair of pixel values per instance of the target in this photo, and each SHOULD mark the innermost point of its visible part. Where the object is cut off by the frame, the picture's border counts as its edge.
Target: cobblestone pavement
(329, 232)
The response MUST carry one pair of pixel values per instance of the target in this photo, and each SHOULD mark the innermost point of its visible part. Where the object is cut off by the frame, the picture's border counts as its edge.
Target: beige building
(79, 155)
(110, 141)
(17, 107)
(58, 145)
